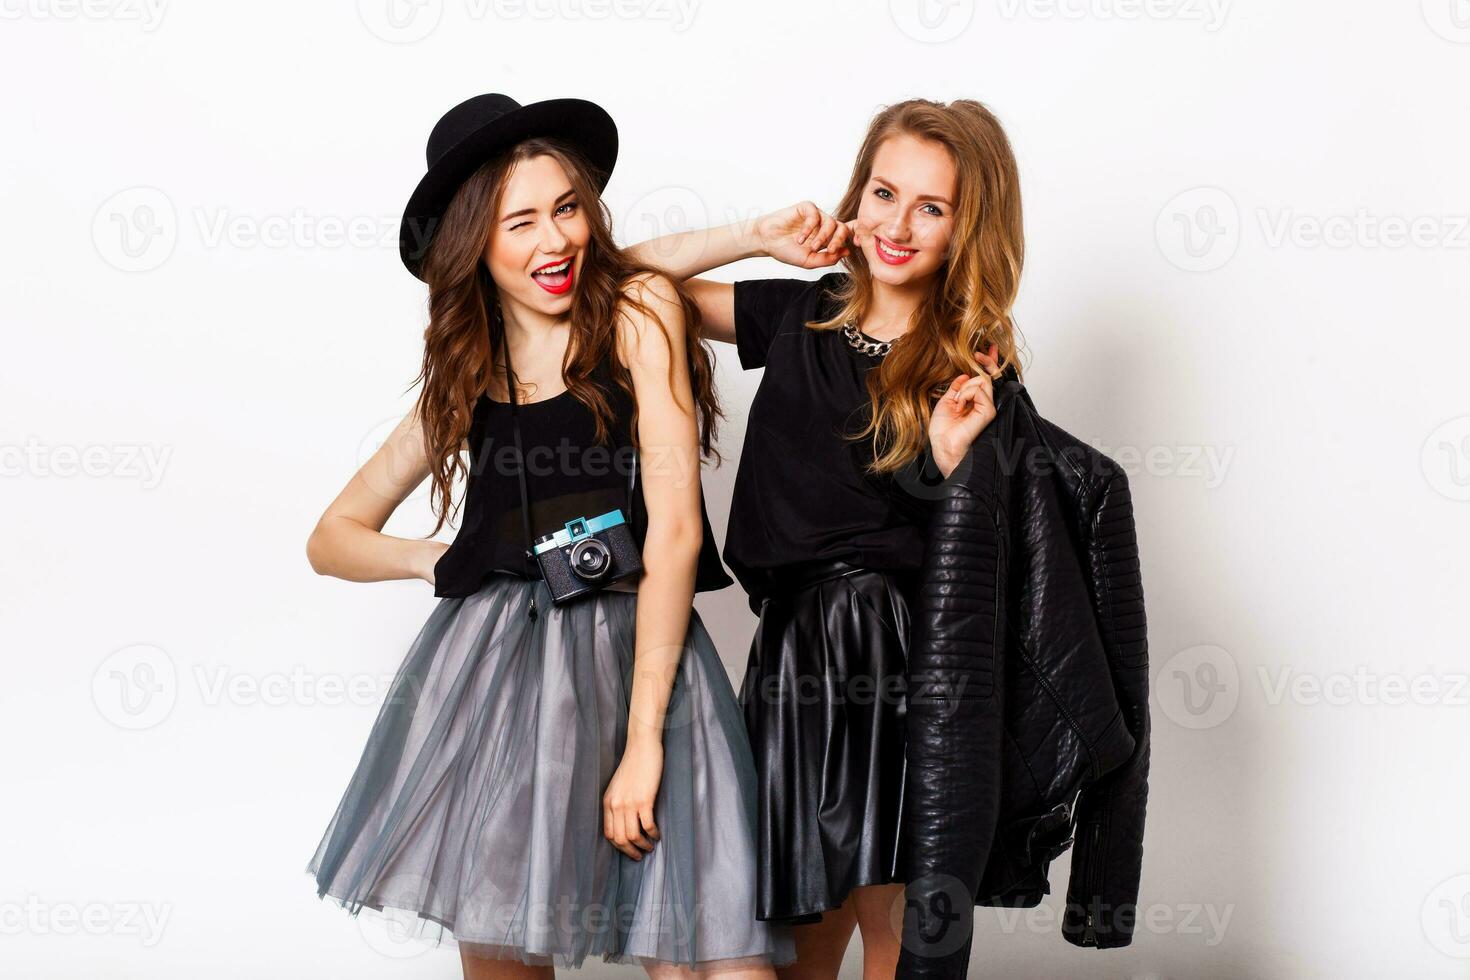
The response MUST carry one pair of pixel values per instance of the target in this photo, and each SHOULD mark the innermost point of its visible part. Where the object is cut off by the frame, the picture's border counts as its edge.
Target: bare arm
(348, 542)
(668, 436)
(801, 235)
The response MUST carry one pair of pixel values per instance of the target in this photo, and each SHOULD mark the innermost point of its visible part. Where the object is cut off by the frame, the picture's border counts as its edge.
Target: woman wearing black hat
(545, 781)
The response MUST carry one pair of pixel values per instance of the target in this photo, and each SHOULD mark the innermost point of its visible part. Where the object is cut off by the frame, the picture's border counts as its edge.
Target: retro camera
(587, 554)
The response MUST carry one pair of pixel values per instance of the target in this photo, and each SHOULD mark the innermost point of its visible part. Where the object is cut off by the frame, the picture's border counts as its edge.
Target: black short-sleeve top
(801, 493)
(569, 474)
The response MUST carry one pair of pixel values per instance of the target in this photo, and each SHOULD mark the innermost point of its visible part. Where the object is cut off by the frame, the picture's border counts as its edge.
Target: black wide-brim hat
(479, 128)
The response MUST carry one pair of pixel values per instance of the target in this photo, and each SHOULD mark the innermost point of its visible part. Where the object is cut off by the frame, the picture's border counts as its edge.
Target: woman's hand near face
(962, 414)
(803, 235)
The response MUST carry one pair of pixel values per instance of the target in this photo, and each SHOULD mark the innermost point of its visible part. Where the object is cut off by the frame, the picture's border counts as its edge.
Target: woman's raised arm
(801, 235)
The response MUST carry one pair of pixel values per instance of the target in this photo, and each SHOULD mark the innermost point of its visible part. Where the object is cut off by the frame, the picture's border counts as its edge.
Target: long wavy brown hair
(969, 306)
(466, 332)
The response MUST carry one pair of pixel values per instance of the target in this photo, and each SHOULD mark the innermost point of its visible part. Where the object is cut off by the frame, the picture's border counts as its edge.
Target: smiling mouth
(554, 277)
(892, 254)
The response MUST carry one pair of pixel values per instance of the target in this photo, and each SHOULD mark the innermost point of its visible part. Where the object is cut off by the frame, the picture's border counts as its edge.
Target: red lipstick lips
(891, 253)
(554, 277)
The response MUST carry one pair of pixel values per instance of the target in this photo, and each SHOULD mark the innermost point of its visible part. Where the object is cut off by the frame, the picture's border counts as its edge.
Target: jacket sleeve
(1107, 858)
(954, 718)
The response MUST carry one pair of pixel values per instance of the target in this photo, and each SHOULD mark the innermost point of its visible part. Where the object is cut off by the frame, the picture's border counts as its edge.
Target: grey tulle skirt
(475, 815)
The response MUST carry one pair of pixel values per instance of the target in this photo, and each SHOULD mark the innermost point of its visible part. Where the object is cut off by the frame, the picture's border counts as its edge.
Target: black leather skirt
(824, 703)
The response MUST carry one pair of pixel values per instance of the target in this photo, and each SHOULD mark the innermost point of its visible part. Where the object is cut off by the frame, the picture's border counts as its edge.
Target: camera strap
(515, 424)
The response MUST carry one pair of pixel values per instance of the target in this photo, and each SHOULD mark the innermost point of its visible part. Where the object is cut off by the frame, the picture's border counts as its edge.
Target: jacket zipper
(1089, 933)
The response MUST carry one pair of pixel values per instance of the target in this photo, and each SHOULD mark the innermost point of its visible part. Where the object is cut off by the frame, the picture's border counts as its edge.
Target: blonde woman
(877, 379)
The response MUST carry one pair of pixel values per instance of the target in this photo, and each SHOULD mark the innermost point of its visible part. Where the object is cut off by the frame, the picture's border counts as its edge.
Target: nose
(553, 241)
(897, 229)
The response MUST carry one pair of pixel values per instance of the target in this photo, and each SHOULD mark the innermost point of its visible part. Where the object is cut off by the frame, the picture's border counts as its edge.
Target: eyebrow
(525, 211)
(923, 197)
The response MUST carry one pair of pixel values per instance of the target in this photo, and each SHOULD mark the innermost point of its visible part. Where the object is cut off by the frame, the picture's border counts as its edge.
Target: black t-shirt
(568, 475)
(801, 493)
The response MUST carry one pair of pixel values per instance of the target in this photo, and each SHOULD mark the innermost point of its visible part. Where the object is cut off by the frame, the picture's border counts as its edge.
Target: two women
(539, 756)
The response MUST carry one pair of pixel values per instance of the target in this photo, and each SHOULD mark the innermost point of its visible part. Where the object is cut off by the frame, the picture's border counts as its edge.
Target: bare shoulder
(650, 309)
(653, 290)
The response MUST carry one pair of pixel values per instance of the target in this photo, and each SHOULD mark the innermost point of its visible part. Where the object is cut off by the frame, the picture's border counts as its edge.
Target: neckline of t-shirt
(539, 401)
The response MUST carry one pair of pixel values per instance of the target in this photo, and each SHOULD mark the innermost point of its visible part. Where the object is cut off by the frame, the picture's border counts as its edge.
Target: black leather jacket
(1028, 724)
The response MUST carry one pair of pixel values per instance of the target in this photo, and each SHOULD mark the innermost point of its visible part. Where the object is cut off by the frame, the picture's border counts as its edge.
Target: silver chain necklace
(858, 342)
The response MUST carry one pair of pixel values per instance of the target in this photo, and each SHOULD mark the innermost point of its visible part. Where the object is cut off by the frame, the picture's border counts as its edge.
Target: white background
(1219, 292)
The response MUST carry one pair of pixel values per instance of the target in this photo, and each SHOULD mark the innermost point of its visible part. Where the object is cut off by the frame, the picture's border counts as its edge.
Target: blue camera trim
(580, 527)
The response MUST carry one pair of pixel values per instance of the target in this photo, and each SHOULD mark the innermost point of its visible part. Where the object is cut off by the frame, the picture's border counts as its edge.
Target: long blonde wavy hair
(969, 306)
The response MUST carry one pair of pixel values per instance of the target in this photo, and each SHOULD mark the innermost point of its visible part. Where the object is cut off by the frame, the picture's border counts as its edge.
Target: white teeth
(552, 270)
(895, 252)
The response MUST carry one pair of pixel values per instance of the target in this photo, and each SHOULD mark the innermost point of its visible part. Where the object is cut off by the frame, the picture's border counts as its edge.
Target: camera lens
(590, 559)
